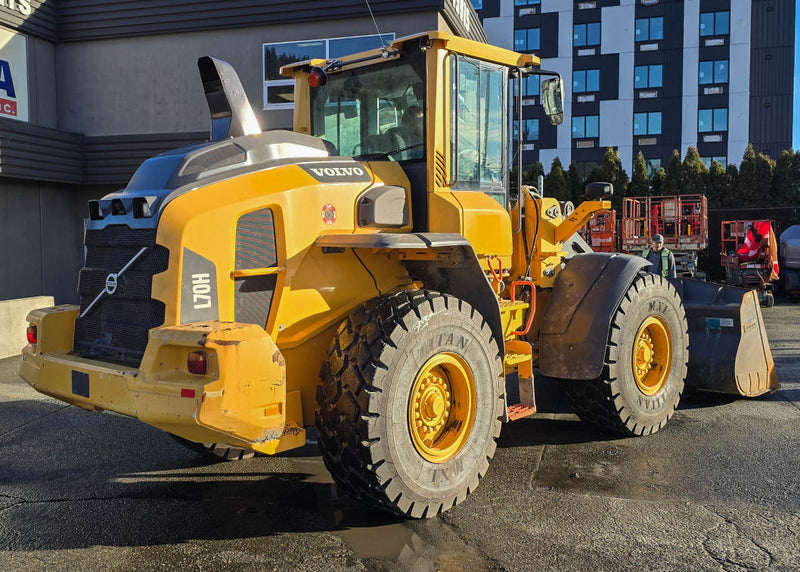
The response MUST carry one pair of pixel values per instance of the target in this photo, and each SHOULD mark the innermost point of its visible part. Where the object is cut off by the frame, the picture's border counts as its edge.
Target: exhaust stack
(231, 114)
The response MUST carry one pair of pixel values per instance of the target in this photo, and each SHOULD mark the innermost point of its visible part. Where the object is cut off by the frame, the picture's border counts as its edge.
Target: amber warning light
(317, 77)
(197, 363)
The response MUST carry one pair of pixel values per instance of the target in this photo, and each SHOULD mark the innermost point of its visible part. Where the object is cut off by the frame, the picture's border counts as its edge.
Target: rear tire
(646, 359)
(216, 451)
(769, 300)
(410, 403)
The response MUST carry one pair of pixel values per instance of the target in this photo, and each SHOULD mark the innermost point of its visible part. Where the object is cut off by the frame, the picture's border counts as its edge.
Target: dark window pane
(578, 127)
(720, 120)
(704, 120)
(579, 35)
(721, 71)
(520, 40)
(656, 28)
(593, 80)
(593, 34)
(346, 46)
(578, 81)
(706, 73)
(640, 124)
(654, 123)
(280, 94)
(640, 77)
(533, 39)
(277, 55)
(656, 73)
(642, 26)
(592, 126)
(722, 23)
(707, 24)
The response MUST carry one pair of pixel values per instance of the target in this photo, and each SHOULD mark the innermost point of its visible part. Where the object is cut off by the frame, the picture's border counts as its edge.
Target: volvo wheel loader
(370, 273)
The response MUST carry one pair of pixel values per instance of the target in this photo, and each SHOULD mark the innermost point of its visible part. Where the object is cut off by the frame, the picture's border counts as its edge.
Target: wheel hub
(652, 355)
(441, 407)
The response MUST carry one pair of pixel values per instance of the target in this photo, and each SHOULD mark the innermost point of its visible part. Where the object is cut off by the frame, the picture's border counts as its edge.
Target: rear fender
(578, 313)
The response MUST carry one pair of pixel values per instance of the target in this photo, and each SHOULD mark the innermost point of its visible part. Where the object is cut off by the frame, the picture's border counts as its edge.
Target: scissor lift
(750, 261)
(682, 220)
(601, 231)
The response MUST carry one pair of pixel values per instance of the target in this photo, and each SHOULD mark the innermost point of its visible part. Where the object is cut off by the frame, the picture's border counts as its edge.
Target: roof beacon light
(317, 77)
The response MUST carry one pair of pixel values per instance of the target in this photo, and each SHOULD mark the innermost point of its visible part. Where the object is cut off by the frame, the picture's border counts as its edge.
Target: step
(519, 411)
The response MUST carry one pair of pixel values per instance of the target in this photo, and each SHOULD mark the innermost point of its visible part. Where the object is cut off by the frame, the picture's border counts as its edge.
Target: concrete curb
(13, 322)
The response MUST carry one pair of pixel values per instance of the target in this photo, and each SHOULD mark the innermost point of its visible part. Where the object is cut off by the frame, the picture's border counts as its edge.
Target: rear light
(197, 363)
(189, 393)
(32, 334)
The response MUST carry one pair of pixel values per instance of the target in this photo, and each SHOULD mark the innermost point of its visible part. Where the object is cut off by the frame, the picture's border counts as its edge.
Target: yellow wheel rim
(441, 408)
(652, 355)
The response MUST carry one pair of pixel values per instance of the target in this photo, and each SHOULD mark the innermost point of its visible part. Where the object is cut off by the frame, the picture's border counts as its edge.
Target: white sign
(13, 75)
(21, 6)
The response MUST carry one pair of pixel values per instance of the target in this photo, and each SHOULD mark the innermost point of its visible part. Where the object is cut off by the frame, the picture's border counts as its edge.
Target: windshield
(377, 111)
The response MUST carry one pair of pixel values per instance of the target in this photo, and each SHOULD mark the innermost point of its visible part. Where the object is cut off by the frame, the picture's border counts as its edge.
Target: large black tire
(614, 401)
(366, 392)
(216, 451)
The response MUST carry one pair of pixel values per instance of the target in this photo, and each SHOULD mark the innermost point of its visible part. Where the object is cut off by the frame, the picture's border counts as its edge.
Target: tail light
(32, 333)
(197, 363)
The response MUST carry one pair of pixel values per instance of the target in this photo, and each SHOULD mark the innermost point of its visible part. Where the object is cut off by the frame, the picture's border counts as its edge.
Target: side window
(478, 124)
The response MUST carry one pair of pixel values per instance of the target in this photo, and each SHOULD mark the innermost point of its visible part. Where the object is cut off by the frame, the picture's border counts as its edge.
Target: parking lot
(717, 489)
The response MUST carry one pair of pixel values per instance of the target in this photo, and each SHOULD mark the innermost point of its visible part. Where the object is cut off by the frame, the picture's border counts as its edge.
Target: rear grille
(115, 329)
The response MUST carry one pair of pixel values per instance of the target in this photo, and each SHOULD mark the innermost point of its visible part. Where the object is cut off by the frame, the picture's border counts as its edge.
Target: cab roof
(436, 39)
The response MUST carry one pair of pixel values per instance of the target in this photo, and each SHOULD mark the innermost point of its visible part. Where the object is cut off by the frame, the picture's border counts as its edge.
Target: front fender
(577, 317)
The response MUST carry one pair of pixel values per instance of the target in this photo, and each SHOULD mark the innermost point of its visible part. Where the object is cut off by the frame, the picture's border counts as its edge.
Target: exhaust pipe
(231, 114)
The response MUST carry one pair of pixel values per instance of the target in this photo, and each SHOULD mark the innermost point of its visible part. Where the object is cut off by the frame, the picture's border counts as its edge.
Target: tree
(755, 179)
(693, 173)
(732, 183)
(575, 183)
(659, 181)
(530, 176)
(784, 181)
(555, 183)
(640, 182)
(672, 184)
(611, 171)
(717, 187)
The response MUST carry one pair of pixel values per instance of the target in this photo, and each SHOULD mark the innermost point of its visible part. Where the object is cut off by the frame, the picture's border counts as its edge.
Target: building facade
(653, 76)
(91, 88)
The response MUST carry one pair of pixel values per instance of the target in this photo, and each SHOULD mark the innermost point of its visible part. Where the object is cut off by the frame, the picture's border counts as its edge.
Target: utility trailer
(790, 261)
(682, 220)
(750, 256)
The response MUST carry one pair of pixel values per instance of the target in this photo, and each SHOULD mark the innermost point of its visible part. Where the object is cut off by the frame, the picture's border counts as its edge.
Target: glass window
(714, 72)
(279, 90)
(723, 161)
(647, 123)
(704, 123)
(653, 165)
(527, 2)
(530, 130)
(585, 81)
(709, 120)
(715, 23)
(477, 4)
(530, 86)
(374, 111)
(526, 39)
(721, 71)
(585, 127)
(477, 104)
(720, 120)
(586, 34)
(647, 76)
(649, 29)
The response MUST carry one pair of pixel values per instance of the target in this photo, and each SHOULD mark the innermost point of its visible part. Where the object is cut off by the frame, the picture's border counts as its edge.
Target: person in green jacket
(661, 259)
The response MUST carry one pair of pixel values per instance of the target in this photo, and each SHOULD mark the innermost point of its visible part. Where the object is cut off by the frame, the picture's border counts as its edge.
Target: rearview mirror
(553, 99)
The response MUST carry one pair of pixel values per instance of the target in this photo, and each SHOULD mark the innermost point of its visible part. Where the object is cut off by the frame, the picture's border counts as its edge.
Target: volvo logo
(111, 284)
(112, 281)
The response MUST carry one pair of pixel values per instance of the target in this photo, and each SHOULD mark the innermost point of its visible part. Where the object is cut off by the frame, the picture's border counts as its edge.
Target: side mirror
(553, 99)
(599, 191)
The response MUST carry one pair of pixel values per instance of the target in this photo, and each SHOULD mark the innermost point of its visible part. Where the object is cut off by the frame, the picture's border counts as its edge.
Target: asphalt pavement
(717, 489)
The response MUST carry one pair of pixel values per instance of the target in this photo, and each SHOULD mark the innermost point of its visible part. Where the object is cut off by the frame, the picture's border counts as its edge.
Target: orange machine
(750, 256)
(601, 231)
(682, 220)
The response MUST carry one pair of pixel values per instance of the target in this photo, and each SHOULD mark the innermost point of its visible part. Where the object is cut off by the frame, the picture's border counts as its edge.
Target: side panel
(577, 317)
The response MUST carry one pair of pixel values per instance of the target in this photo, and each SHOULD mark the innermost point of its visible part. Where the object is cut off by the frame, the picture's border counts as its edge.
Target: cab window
(478, 99)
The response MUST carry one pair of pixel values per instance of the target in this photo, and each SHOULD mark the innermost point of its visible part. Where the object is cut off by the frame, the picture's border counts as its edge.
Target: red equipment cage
(682, 220)
(750, 255)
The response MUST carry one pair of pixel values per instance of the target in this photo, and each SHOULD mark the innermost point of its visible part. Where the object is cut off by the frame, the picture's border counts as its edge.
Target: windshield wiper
(394, 151)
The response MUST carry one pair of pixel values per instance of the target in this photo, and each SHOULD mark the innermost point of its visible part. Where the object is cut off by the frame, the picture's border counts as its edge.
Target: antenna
(380, 36)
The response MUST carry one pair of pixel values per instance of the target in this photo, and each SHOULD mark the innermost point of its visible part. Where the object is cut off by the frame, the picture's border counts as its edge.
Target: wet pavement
(717, 489)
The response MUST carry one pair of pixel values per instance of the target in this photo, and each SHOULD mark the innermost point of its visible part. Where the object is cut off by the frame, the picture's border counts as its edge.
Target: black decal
(80, 383)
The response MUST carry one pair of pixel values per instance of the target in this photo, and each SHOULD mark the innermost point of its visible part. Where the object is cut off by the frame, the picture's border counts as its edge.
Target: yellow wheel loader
(370, 273)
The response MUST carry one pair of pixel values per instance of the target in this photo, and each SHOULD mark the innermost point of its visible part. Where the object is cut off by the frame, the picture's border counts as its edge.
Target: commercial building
(90, 88)
(654, 75)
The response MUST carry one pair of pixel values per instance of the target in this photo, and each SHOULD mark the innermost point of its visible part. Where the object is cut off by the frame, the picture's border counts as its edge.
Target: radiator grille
(115, 329)
(255, 248)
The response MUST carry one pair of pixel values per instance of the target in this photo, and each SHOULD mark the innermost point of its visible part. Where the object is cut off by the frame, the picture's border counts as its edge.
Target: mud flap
(728, 347)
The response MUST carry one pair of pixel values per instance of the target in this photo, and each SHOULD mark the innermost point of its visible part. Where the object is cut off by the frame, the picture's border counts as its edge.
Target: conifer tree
(640, 182)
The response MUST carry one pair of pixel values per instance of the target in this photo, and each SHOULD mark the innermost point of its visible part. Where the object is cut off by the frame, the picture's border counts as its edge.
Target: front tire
(646, 360)
(411, 402)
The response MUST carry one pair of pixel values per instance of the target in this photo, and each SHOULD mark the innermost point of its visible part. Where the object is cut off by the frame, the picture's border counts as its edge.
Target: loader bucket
(728, 347)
